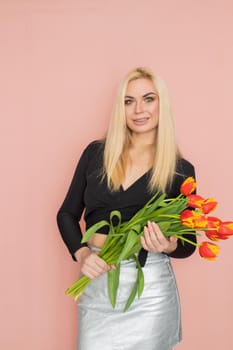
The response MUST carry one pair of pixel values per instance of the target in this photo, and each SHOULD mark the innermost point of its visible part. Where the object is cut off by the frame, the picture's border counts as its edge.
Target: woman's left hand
(155, 241)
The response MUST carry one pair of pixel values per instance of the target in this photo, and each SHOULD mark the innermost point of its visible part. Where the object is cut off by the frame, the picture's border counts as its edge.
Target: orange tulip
(195, 201)
(188, 186)
(208, 250)
(200, 222)
(209, 205)
(214, 223)
(212, 235)
(188, 218)
(225, 229)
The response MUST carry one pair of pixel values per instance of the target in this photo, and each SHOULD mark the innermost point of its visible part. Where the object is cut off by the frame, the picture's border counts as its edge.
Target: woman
(137, 157)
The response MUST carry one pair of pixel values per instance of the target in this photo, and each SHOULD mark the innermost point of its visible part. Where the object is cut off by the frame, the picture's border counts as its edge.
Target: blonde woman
(137, 157)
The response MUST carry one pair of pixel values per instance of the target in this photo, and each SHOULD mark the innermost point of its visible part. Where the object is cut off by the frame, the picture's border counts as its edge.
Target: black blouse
(89, 194)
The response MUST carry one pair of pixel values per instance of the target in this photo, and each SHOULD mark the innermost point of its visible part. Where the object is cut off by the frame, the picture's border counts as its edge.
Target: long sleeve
(71, 210)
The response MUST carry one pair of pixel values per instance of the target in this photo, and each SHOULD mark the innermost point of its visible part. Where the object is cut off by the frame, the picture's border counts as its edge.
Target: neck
(143, 140)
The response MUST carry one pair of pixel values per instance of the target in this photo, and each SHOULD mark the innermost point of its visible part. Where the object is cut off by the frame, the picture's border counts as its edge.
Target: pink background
(61, 62)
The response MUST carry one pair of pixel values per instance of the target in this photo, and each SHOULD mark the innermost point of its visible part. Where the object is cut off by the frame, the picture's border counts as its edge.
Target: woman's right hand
(91, 265)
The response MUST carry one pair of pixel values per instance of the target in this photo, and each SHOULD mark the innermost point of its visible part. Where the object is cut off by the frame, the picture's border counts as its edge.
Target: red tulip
(225, 229)
(195, 201)
(200, 222)
(188, 186)
(212, 235)
(188, 218)
(214, 223)
(223, 237)
(208, 250)
(209, 205)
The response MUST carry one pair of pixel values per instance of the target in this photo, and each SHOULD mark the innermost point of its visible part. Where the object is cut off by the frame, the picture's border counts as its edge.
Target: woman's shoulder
(93, 154)
(94, 147)
(184, 166)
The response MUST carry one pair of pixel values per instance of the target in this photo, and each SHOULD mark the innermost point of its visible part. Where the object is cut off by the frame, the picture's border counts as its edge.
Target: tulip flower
(188, 186)
(200, 222)
(225, 229)
(209, 205)
(193, 219)
(195, 201)
(187, 217)
(205, 205)
(208, 250)
(214, 223)
(212, 235)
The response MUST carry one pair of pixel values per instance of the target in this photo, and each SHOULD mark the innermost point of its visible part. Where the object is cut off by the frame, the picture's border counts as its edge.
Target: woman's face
(141, 106)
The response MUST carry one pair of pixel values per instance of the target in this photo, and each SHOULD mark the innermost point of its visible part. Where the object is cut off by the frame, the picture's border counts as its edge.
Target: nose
(138, 107)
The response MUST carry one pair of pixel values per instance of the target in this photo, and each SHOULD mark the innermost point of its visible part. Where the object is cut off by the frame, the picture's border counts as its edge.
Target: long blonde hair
(117, 140)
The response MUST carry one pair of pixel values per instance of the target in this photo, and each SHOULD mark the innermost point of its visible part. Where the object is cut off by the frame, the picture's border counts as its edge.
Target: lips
(140, 121)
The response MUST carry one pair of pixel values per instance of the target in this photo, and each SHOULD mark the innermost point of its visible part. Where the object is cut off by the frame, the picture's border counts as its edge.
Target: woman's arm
(68, 218)
(71, 210)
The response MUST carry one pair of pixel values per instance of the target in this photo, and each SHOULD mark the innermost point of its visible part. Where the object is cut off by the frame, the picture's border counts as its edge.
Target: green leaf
(164, 226)
(140, 213)
(137, 228)
(171, 208)
(113, 283)
(140, 277)
(132, 296)
(131, 241)
(140, 282)
(154, 205)
(138, 286)
(118, 215)
(93, 229)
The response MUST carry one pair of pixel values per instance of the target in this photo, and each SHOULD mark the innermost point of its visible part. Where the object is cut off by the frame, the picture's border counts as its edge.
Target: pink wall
(60, 64)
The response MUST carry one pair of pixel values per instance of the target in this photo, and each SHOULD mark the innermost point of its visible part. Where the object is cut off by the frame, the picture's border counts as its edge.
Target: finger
(143, 243)
(95, 259)
(159, 235)
(92, 267)
(157, 238)
(150, 239)
(112, 266)
(163, 241)
(90, 272)
(172, 245)
(153, 233)
(173, 239)
(100, 262)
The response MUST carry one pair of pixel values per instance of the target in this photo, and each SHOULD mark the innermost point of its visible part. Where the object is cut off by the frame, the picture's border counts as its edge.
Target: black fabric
(89, 194)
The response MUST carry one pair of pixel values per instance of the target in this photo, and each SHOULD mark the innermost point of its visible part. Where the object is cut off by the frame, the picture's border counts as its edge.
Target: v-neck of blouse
(135, 182)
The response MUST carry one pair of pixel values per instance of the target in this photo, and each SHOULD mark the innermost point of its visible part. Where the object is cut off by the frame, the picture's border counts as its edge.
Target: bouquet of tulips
(174, 219)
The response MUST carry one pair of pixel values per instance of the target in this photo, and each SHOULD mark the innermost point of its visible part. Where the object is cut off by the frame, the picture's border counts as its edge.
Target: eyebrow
(147, 94)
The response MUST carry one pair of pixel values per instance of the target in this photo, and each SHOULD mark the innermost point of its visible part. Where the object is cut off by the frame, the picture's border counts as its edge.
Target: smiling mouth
(141, 120)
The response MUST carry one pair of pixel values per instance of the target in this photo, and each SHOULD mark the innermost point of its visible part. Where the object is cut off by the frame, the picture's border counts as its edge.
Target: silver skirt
(151, 323)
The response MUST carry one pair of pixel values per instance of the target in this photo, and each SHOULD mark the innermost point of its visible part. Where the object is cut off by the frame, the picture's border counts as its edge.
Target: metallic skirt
(151, 323)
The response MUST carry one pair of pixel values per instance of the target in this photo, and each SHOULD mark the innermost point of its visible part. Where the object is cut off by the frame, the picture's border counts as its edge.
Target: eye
(128, 102)
(149, 99)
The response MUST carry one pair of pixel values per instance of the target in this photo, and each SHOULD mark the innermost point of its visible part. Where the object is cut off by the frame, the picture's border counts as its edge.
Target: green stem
(187, 240)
